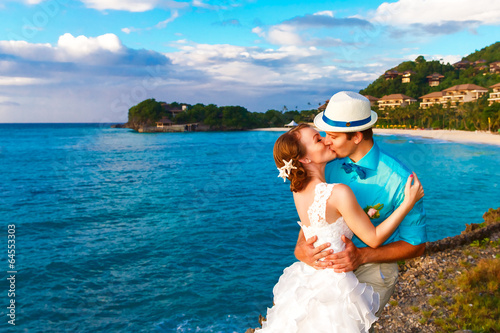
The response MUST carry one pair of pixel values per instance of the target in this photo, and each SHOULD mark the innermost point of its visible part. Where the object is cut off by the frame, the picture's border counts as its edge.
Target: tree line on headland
(474, 115)
(216, 118)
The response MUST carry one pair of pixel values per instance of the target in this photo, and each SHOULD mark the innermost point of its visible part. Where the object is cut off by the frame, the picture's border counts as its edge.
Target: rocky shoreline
(426, 293)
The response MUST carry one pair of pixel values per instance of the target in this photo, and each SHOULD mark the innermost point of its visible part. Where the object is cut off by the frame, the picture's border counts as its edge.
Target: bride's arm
(357, 220)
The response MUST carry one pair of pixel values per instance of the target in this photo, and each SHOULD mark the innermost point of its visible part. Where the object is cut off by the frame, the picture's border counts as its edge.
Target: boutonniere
(374, 211)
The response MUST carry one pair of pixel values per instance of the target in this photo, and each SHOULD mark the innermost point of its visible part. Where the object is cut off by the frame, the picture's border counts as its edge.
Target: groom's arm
(352, 257)
(310, 255)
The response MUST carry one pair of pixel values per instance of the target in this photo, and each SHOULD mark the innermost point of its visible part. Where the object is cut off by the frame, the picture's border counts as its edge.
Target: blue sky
(91, 60)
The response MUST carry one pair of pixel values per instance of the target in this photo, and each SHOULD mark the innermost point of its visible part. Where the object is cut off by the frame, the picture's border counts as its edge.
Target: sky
(91, 60)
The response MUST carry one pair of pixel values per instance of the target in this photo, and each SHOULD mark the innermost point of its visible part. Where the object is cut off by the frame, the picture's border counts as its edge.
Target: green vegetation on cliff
(146, 112)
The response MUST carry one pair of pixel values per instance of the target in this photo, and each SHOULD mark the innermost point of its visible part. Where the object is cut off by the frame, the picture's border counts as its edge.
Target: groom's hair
(367, 134)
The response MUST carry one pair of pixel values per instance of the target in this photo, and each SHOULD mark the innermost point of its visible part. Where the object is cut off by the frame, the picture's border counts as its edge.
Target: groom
(378, 181)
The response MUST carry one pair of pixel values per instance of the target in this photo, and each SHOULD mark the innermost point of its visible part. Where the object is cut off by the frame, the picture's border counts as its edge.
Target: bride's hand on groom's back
(310, 255)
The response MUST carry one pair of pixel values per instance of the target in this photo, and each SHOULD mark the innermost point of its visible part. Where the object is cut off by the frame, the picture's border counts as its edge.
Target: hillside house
(462, 64)
(495, 67)
(390, 75)
(172, 109)
(407, 76)
(435, 79)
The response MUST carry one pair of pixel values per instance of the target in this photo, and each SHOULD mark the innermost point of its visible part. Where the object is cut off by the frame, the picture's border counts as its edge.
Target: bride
(315, 301)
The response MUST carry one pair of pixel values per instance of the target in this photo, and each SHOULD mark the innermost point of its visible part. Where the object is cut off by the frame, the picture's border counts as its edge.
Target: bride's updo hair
(288, 146)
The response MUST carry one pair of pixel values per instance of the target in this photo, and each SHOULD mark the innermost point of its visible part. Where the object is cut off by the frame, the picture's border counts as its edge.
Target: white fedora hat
(347, 111)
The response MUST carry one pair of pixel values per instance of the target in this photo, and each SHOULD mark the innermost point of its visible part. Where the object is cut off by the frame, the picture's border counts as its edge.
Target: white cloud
(451, 58)
(444, 59)
(159, 25)
(68, 48)
(128, 5)
(20, 81)
(132, 5)
(40, 52)
(259, 32)
(284, 34)
(163, 24)
(325, 13)
(407, 12)
(252, 65)
(83, 46)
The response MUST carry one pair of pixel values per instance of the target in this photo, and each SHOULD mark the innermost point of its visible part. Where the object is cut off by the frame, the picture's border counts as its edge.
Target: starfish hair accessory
(286, 169)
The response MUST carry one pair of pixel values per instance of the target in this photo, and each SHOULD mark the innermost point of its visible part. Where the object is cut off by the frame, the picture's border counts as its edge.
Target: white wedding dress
(307, 300)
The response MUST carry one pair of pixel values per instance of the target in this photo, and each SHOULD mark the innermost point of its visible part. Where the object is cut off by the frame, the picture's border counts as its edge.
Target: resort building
(373, 100)
(390, 75)
(395, 100)
(432, 98)
(480, 62)
(462, 64)
(435, 79)
(463, 93)
(323, 107)
(164, 122)
(495, 95)
(495, 67)
(172, 109)
(407, 76)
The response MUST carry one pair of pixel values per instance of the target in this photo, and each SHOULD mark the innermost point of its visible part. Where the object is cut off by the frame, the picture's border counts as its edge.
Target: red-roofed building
(462, 64)
(463, 93)
(432, 98)
(373, 100)
(164, 122)
(323, 107)
(407, 76)
(392, 74)
(395, 100)
(435, 79)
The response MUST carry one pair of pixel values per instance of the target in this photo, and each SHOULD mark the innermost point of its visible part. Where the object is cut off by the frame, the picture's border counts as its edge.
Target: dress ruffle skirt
(316, 301)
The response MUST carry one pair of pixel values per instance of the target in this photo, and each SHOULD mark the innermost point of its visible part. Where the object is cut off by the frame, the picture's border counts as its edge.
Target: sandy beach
(448, 135)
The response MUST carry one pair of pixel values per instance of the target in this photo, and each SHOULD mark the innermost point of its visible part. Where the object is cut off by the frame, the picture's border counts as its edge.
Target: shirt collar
(371, 159)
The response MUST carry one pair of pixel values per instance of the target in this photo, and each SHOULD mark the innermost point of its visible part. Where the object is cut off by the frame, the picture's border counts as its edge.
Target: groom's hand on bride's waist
(348, 260)
(310, 255)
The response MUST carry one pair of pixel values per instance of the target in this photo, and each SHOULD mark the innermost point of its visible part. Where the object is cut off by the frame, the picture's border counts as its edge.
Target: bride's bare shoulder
(340, 193)
(341, 189)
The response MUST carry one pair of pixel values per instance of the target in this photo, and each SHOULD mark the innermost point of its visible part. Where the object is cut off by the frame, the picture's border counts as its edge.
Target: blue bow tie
(350, 167)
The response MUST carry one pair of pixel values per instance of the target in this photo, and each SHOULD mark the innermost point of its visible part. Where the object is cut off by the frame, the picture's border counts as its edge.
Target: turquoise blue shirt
(384, 183)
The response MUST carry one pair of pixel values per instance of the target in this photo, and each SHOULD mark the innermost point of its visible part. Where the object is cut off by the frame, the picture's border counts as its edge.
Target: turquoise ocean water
(184, 232)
